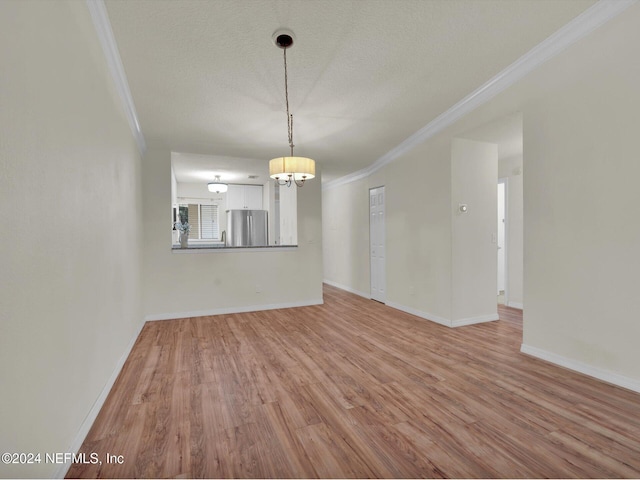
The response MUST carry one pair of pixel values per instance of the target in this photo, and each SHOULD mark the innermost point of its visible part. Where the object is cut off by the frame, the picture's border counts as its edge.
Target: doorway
(377, 243)
(502, 241)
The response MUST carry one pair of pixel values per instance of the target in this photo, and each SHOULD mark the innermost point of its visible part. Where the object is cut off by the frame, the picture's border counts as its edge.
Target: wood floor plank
(450, 459)
(331, 456)
(400, 455)
(355, 389)
(297, 411)
(288, 442)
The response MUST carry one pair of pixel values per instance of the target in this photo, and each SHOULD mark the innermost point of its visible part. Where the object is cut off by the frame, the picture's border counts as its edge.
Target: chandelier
(217, 186)
(288, 170)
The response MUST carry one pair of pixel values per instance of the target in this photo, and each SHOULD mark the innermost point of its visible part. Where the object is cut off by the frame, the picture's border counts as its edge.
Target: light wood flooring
(353, 388)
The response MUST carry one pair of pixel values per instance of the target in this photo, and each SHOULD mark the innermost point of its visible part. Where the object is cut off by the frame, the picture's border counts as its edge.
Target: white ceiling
(206, 78)
(197, 168)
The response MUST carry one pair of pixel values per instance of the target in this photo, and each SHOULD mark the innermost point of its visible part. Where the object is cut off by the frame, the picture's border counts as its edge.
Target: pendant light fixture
(288, 170)
(217, 186)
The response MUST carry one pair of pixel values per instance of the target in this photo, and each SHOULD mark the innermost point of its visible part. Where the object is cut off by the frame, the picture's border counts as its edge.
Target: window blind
(209, 226)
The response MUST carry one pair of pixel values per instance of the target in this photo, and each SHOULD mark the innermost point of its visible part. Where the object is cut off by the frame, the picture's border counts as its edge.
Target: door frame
(505, 181)
(384, 236)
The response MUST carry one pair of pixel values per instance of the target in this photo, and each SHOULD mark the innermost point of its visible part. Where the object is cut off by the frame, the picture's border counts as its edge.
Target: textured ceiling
(363, 75)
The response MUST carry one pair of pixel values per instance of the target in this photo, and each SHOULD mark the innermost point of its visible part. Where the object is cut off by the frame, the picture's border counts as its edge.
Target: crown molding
(101, 23)
(578, 28)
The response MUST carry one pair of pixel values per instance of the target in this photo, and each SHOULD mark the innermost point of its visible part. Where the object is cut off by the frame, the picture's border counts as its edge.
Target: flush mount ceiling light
(288, 170)
(217, 186)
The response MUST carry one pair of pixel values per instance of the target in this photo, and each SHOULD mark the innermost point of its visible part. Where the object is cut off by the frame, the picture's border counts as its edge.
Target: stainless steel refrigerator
(247, 228)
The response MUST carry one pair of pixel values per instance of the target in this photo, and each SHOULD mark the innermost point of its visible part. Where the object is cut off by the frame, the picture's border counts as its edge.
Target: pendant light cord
(286, 96)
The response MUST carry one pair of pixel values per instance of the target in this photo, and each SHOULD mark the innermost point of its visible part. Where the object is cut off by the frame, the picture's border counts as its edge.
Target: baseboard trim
(424, 315)
(517, 305)
(419, 313)
(229, 310)
(62, 470)
(347, 289)
(581, 367)
(462, 322)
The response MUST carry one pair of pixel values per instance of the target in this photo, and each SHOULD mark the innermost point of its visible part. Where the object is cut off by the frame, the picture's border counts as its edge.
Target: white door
(377, 243)
(502, 198)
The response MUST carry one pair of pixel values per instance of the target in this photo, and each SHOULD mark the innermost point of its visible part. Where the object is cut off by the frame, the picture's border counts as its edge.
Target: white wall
(582, 205)
(417, 232)
(417, 209)
(174, 188)
(474, 270)
(345, 237)
(434, 268)
(581, 112)
(506, 132)
(186, 284)
(70, 210)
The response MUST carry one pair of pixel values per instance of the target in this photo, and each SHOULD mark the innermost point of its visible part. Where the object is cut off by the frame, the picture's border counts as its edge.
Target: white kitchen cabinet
(244, 197)
(235, 197)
